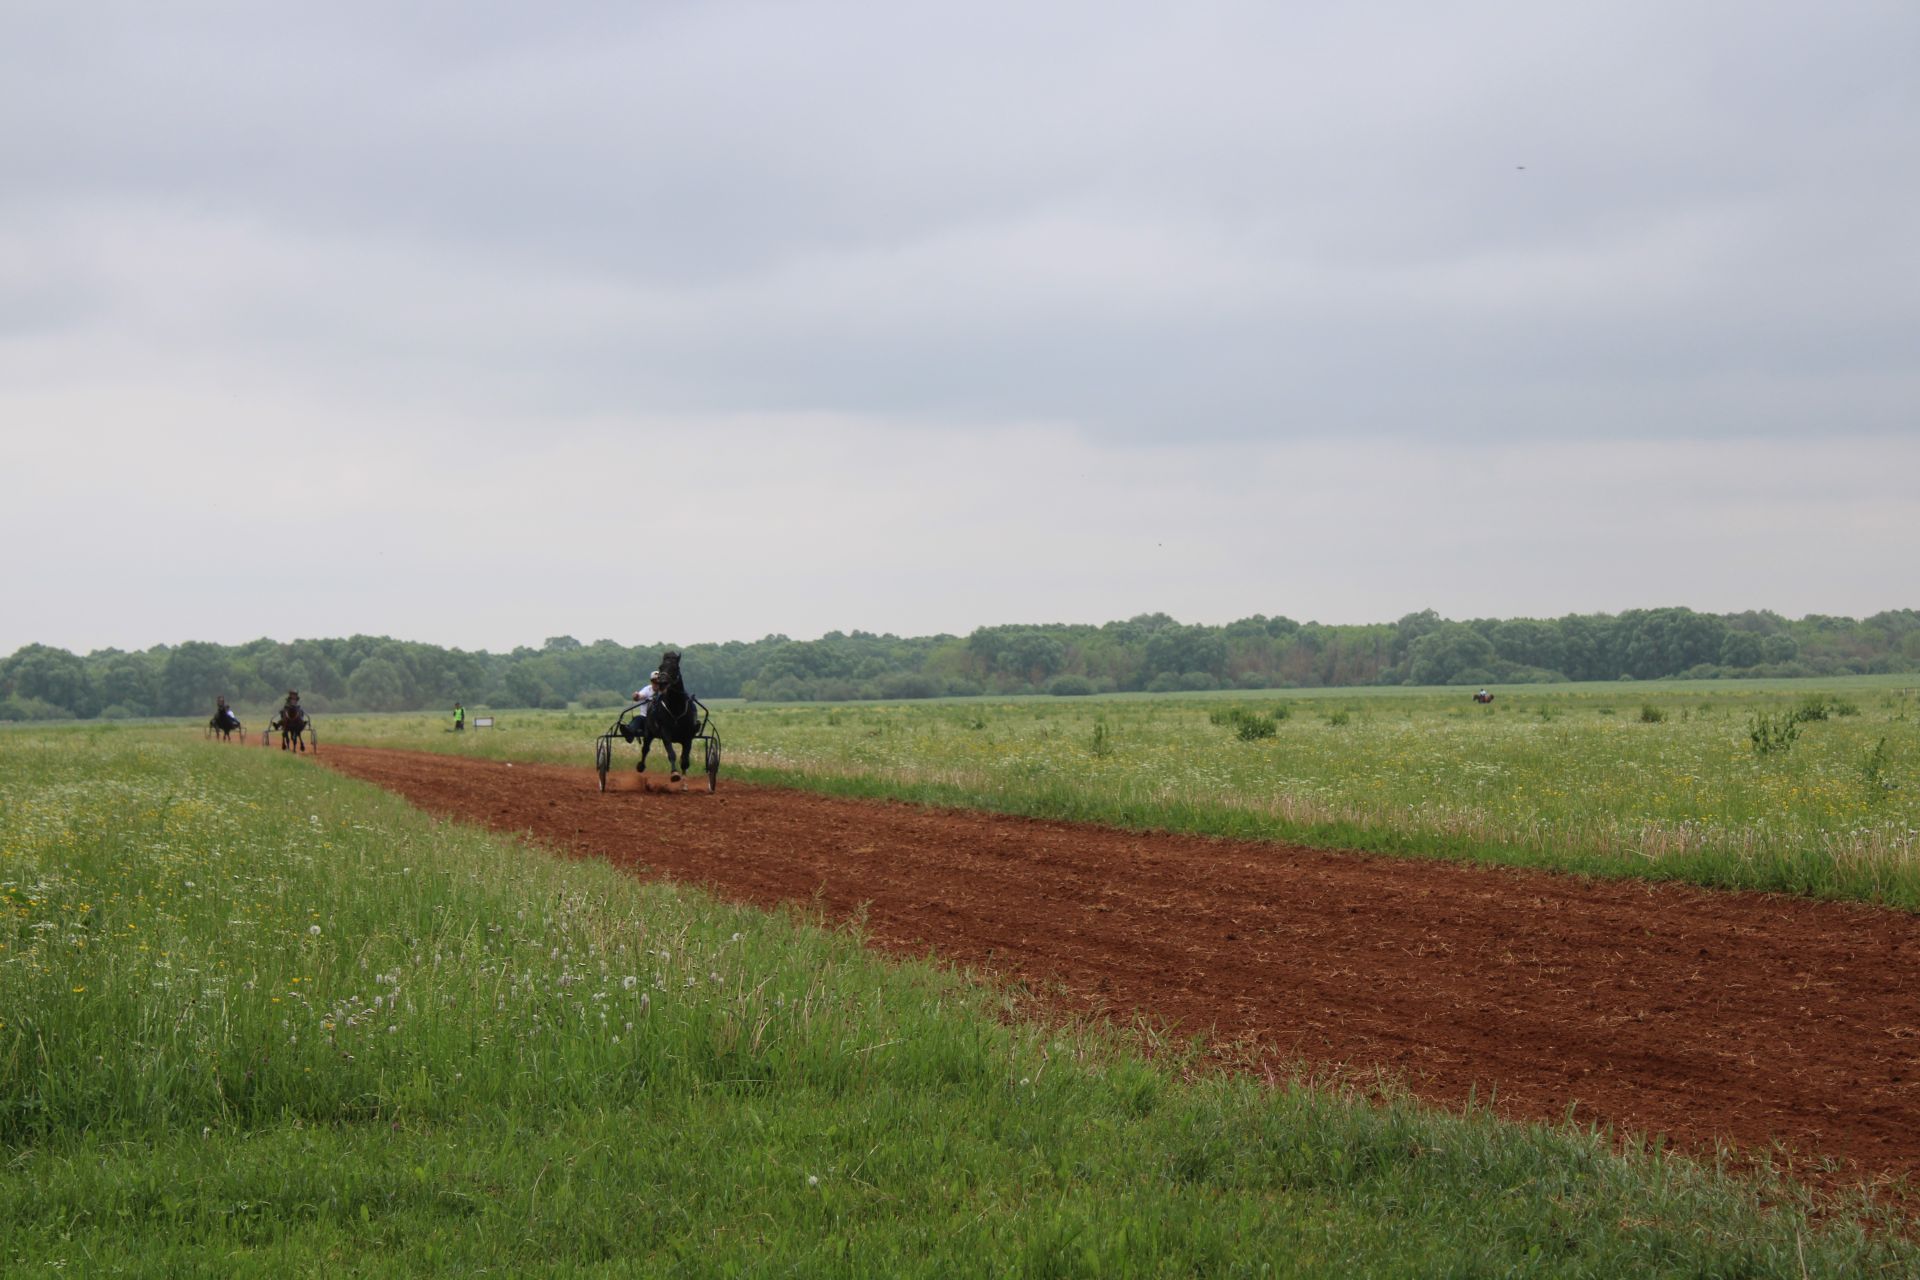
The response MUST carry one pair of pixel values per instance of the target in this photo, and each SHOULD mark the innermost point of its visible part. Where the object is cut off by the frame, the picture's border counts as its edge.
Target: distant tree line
(1152, 652)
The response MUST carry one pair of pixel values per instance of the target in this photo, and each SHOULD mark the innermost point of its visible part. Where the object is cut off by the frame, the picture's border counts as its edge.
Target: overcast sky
(479, 323)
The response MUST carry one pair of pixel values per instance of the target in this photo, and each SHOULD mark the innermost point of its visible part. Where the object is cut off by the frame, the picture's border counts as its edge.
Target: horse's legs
(646, 745)
(673, 761)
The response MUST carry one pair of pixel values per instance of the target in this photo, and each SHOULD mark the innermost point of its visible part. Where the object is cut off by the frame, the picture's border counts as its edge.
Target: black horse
(225, 724)
(673, 717)
(296, 728)
(676, 718)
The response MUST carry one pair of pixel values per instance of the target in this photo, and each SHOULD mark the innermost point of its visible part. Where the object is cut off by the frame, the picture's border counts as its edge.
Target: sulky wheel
(713, 763)
(602, 760)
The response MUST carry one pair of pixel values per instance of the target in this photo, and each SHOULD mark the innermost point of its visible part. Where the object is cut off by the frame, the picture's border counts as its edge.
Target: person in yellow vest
(459, 717)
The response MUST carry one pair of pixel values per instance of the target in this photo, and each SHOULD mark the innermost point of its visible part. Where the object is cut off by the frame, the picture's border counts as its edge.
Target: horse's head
(673, 690)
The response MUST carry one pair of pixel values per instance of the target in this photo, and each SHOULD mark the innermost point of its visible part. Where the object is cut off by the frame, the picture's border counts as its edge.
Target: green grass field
(1657, 780)
(257, 1018)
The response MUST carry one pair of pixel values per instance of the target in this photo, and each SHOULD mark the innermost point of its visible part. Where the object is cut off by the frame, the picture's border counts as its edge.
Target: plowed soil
(1758, 1022)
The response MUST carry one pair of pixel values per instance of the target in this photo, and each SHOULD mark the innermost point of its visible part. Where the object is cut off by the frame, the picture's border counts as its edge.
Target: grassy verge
(257, 1018)
(1661, 782)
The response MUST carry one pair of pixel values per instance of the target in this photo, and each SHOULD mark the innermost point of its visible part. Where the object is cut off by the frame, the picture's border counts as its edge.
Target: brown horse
(296, 728)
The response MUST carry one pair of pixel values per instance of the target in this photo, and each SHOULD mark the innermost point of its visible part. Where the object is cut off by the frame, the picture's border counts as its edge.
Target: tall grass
(1656, 781)
(256, 1018)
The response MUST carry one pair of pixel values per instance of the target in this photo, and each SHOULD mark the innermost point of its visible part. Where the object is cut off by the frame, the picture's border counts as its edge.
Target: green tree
(1529, 643)
(1031, 656)
(1410, 629)
(377, 684)
(1452, 653)
(192, 676)
(53, 676)
(1780, 648)
(524, 687)
(1181, 650)
(1665, 642)
(1741, 649)
(128, 680)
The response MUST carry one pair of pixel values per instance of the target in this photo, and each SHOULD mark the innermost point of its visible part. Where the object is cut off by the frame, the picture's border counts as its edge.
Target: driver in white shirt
(653, 690)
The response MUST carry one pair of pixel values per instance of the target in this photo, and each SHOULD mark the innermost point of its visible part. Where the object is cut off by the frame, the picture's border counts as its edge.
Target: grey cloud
(1213, 220)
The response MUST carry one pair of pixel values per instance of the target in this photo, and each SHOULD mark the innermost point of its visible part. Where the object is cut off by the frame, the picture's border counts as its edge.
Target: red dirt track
(1754, 1021)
